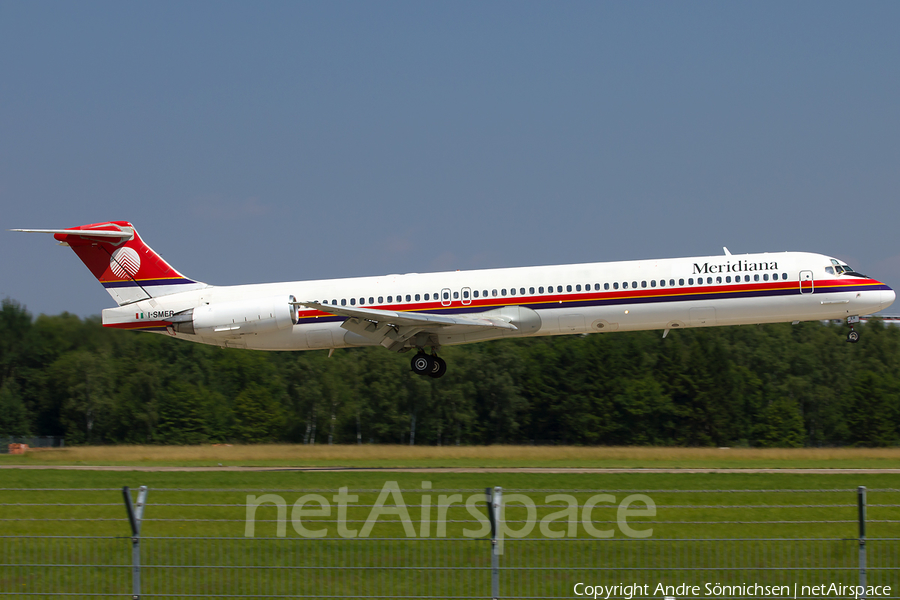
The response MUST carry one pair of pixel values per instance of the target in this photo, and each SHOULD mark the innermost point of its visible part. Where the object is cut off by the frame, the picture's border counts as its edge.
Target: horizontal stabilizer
(128, 233)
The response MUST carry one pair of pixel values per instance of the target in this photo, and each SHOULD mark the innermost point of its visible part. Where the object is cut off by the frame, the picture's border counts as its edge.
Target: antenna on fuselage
(727, 252)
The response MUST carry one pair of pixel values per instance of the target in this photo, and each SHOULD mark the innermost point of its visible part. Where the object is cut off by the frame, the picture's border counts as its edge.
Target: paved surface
(573, 470)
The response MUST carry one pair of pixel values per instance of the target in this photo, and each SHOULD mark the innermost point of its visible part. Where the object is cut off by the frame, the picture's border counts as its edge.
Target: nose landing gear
(430, 365)
(852, 336)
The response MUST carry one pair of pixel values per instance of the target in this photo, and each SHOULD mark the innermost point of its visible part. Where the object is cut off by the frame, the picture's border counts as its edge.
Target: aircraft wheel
(422, 364)
(440, 367)
(853, 337)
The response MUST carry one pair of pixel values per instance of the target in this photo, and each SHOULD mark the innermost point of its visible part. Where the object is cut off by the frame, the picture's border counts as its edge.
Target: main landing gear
(853, 336)
(428, 364)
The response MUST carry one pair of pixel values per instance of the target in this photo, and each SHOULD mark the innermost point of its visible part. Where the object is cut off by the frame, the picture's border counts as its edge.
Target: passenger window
(466, 294)
(522, 291)
(774, 275)
(596, 287)
(681, 282)
(408, 298)
(503, 292)
(371, 300)
(417, 297)
(652, 283)
(568, 288)
(643, 284)
(709, 280)
(719, 279)
(541, 290)
(615, 285)
(624, 285)
(605, 286)
(728, 279)
(352, 301)
(746, 278)
(426, 296)
(691, 281)
(531, 290)
(578, 287)
(494, 293)
(662, 283)
(634, 284)
(512, 291)
(380, 300)
(756, 277)
(343, 302)
(446, 295)
(475, 293)
(456, 295)
(390, 299)
(559, 289)
(672, 283)
(784, 276)
(484, 293)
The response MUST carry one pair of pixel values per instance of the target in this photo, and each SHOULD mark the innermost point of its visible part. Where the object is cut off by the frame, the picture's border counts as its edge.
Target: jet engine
(240, 317)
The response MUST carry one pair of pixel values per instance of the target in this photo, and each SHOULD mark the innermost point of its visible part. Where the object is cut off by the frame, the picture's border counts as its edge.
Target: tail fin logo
(125, 262)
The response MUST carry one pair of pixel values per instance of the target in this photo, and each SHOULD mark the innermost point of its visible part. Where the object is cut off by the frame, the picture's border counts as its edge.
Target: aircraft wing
(391, 328)
(391, 317)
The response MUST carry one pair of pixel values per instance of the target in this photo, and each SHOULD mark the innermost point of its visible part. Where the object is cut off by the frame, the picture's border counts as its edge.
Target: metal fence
(227, 543)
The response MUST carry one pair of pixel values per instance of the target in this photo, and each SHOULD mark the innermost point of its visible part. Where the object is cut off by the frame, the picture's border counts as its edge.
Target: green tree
(257, 415)
(14, 417)
(872, 410)
(781, 425)
(184, 409)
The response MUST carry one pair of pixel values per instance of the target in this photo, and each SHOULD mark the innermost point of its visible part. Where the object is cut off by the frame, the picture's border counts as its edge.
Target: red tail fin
(127, 267)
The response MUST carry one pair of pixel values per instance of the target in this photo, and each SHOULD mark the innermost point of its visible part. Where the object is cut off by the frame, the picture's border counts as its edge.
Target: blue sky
(272, 141)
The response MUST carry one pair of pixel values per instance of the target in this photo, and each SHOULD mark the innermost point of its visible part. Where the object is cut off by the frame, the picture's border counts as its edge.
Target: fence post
(861, 504)
(494, 500)
(135, 514)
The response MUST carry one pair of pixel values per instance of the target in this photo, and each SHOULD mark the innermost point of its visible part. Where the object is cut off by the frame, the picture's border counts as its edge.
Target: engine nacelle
(241, 317)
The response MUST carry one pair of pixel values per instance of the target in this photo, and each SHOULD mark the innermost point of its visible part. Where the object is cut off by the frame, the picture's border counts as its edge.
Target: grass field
(197, 519)
(216, 500)
(462, 456)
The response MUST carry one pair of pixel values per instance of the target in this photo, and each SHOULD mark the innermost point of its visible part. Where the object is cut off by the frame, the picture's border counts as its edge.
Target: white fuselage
(551, 300)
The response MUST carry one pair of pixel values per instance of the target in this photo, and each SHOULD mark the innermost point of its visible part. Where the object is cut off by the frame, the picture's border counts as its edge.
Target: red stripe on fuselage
(821, 286)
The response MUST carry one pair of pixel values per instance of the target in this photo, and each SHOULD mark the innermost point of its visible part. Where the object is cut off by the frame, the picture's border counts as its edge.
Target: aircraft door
(445, 297)
(807, 285)
(466, 296)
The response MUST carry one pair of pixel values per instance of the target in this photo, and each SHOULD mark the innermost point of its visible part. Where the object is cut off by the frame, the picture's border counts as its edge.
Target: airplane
(433, 310)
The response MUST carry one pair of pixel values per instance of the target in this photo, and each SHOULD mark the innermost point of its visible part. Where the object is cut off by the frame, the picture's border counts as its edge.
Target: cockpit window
(844, 268)
(829, 270)
(837, 267)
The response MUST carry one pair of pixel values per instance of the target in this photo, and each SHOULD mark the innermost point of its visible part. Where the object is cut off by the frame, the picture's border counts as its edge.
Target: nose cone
(887, 298)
